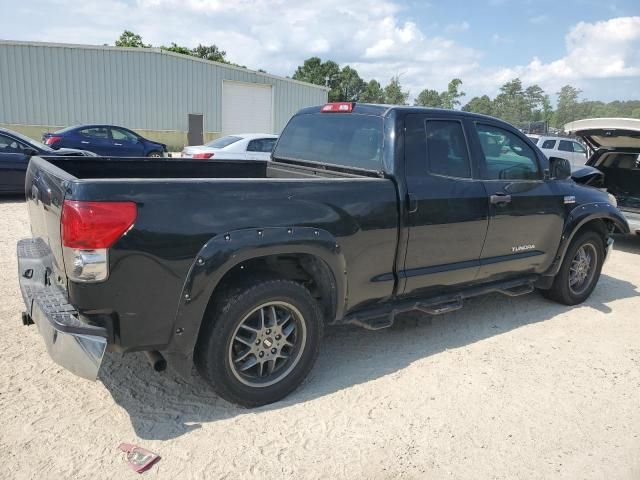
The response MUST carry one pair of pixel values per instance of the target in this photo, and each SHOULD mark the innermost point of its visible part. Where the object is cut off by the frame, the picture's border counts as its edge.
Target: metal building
(165, 96)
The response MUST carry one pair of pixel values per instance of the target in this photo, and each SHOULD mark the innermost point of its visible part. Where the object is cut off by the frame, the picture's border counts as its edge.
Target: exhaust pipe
(156, 360)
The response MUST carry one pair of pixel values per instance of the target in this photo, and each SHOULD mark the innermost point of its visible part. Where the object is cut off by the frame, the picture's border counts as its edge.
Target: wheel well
(602, 226)
(310, 271)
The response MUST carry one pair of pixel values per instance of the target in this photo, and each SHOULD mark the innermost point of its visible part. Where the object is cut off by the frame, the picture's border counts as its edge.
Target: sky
(591, 44)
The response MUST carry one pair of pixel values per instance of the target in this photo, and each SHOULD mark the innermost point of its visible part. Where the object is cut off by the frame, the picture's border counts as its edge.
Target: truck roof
(383, 110)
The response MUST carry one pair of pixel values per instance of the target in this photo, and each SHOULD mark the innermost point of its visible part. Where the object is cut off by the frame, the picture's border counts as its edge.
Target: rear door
(448, 214)
(96, 140)
(13, 164)
(526, 215)
(260, 148)
(126, 143)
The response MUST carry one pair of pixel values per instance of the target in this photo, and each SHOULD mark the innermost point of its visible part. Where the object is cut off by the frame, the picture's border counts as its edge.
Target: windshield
(349, 140)
(223, 141)
(32, 142)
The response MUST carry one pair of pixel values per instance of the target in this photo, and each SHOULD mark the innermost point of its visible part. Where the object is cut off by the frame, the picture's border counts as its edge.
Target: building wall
(46, 86)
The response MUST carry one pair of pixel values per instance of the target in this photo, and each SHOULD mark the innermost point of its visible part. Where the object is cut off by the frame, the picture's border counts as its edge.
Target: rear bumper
(71, 343)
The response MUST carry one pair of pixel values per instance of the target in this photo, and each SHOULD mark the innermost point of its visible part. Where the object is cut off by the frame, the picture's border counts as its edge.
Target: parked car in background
(244, 146)
(561, 147)
(615, 143)
(106, 141)
(15, 151)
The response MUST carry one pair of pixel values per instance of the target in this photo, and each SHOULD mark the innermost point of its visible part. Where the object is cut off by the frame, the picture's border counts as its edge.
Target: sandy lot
(505, 388)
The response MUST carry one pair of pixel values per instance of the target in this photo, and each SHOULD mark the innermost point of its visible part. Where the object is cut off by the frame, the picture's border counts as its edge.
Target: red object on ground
(140, 459)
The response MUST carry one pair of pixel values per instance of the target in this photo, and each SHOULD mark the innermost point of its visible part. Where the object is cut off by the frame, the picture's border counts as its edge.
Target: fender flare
(580, 216)
(225, 251)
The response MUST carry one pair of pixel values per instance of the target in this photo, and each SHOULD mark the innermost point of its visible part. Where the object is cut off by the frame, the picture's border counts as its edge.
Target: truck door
(525, 214)
(448, 210)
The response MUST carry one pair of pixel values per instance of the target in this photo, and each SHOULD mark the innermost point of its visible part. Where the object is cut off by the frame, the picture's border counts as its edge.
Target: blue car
(105, 141)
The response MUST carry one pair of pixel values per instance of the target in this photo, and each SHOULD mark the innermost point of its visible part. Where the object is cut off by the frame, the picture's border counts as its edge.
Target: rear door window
(264, 145)
(343, 139)
(447, 152)
(565, 146)
(549, 144)
(98, 133)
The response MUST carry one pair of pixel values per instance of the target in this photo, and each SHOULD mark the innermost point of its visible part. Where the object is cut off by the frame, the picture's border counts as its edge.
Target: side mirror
(30, 152)
(560, 168)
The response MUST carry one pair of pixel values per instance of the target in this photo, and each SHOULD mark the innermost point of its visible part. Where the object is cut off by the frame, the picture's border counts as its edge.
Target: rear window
(223, 141)
(349, 140)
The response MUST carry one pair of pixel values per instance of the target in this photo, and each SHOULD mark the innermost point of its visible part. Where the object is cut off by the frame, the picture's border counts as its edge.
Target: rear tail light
(343, 107)
(89, 229)
(202, 156)
(52, 140)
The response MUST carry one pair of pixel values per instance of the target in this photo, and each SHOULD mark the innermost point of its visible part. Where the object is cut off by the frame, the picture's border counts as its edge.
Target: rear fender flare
(223, 252)
(580, 216)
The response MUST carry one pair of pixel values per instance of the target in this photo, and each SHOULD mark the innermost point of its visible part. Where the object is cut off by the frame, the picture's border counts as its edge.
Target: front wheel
(580, 270)
(260, 342)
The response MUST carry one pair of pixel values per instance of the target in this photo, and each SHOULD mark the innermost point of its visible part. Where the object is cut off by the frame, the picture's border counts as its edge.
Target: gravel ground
(505, 388)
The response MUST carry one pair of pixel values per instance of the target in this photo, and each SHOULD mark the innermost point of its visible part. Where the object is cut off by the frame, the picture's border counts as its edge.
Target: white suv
(561, 147)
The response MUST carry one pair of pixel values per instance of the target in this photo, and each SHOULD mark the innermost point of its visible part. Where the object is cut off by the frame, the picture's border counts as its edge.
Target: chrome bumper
(71, 343)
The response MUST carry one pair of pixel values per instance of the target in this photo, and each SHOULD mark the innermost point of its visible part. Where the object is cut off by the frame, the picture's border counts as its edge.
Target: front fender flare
(223, 252)
(580, 216)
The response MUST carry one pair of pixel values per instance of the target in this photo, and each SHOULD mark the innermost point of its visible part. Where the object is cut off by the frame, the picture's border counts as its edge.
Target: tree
(130, 39)
(534, 96)
(510, 104)
(547, 109)
(315, 71)
(177, 49)
(567, 109)
(210, 52)
(451, 98)
(350, 85)
(482, 105)
(393, 93)
(428, 98)
(372, 93)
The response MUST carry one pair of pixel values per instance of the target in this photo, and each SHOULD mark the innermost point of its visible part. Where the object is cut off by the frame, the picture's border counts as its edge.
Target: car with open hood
(614, 144)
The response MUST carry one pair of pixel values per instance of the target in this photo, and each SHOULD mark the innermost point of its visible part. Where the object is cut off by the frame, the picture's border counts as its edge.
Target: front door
(96, 140)
(448, 214)
(526, 214)
(126, 143)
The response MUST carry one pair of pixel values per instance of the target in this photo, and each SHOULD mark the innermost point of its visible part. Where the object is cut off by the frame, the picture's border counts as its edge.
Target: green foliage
(568, 109)
(372, 93)
(177, 49)
(315, 71)
(482, 105)
(451, 98)
(210, 52)
(130, 39)
(428, 98)
(393, 93)
(350, 85)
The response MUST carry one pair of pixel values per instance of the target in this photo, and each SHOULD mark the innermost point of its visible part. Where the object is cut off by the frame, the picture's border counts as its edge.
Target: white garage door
(246, 108)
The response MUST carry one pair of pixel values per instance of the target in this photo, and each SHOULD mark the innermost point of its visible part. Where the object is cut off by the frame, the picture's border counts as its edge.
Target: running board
(383, 315)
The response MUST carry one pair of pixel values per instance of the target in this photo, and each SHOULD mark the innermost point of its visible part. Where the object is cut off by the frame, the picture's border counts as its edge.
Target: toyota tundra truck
(235, 268)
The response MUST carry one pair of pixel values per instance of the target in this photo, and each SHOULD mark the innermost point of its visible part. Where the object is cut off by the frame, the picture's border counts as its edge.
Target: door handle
(118, 144)
(413, 203)
(499, 198)
(85, 142)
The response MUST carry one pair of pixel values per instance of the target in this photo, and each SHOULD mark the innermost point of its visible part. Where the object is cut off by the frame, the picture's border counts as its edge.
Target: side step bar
(383, 315)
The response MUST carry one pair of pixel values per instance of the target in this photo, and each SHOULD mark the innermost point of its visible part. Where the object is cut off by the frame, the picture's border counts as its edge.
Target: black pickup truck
(365, 211)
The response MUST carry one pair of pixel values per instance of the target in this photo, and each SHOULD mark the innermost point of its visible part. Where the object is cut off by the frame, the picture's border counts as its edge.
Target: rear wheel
(260, 342)
(154, 154)
(580, 270)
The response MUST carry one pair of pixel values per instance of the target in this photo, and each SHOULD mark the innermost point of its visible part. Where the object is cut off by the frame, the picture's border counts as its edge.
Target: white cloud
(606, 49)
(374, 36)
(539, 19)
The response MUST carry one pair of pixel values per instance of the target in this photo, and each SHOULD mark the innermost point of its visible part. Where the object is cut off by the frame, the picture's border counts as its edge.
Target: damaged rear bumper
(71, 343)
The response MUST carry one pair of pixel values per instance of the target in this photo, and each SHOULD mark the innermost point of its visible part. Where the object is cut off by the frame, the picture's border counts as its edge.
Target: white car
(243, 146)
(561, 147)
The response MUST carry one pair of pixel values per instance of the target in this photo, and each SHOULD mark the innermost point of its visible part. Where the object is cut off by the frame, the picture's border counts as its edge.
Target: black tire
(154, 154)
(561, 290)
(218, 352)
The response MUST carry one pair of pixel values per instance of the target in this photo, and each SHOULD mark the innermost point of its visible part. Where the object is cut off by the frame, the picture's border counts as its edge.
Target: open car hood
(609, 133)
